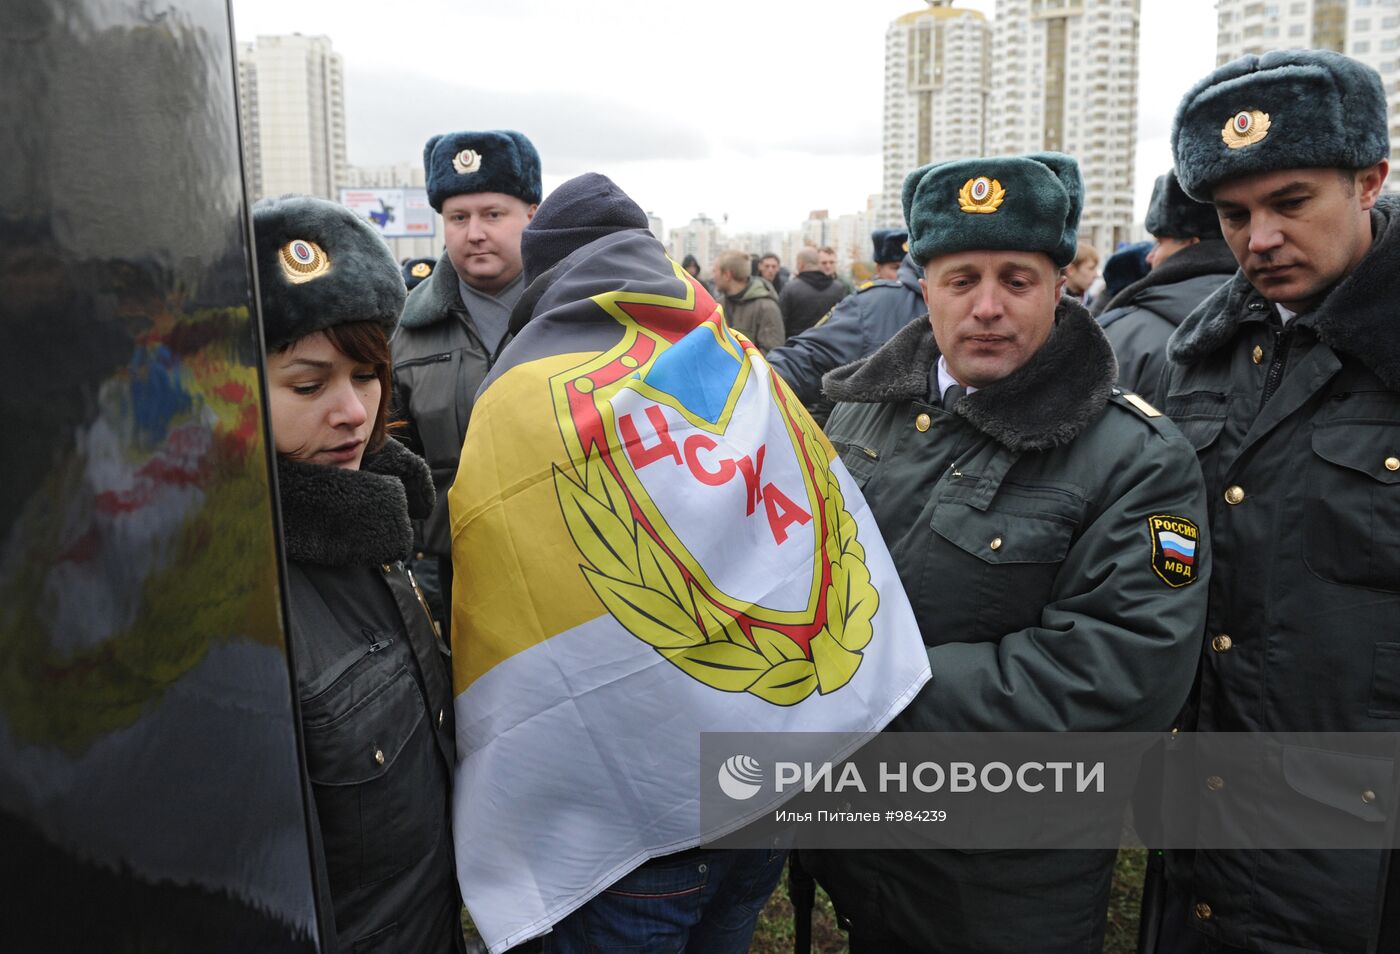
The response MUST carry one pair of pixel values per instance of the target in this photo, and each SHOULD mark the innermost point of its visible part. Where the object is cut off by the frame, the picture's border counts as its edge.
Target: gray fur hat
(498, 160)
(319, 264)
(1174, 214)
(1287, 109)
(1010, 203)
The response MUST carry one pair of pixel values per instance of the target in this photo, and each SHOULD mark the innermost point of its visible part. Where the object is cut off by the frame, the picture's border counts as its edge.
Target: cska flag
(651, 539)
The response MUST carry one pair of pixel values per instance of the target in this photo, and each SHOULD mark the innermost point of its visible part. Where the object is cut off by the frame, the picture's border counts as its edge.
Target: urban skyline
(1105, 128)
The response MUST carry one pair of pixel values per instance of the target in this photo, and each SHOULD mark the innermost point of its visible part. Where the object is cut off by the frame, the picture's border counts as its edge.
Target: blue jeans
(704, 901)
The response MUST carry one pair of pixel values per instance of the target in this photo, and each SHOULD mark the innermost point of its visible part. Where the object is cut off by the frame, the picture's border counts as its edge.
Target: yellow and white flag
(651, 539)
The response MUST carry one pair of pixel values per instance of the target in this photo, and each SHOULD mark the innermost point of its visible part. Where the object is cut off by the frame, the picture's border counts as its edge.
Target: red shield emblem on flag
(707, 506)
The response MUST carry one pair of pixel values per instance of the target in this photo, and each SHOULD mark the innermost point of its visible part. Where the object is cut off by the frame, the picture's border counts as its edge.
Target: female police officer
(371, 672)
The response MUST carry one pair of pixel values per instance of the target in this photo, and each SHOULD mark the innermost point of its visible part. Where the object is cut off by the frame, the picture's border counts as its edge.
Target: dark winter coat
(376, 701)
(439, 362)
(1019, 525)
(806, 300)
(1140, 318)
(857, 326)
(1298, 433)
(754, 313)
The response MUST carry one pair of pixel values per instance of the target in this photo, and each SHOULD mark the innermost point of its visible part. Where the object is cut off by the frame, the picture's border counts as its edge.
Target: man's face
(990, 311)
(827, 263)
(1165, 248)
(482, 234)
(1296, 232)
(724, 283)
(1079, 277)
(768, 268)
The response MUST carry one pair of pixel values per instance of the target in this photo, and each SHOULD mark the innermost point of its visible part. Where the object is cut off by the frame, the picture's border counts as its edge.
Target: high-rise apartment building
(1368, 30)
(700, 237)
(936, 84)
(292, 106)
(1066, 79)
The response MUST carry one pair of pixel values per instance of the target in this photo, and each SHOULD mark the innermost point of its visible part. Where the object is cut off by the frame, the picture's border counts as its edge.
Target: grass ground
(774, 934)
(775, 926)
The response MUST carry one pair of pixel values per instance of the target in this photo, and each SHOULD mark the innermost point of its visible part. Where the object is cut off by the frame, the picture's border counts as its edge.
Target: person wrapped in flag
(651, 540)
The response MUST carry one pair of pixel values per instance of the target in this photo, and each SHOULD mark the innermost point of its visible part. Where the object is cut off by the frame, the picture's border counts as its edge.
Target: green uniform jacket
(1307, 588)
(755, 314)
(1020, 524)
(439, 363)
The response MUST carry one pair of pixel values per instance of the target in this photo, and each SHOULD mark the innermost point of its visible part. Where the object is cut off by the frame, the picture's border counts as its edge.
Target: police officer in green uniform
(1048, 528)
(1287, 381)
(486, 185)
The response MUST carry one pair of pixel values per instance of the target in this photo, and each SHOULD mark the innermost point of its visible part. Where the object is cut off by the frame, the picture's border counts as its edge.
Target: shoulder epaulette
(876, 283)
(1137, 403)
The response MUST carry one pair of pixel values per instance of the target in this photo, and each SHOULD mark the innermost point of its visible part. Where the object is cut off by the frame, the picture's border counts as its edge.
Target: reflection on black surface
(150, 797)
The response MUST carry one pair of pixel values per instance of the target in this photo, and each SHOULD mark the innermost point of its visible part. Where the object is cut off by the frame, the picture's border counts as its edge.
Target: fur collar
(1357, 317)
(336, 517)
(1045, 403)
(434, 298)
(1208, 257)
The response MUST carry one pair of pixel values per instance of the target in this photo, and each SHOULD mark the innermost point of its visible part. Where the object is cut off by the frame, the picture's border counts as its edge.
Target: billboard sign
(394, 213)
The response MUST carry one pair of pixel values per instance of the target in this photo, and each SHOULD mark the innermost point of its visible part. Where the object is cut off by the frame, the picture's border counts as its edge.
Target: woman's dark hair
(364, 342)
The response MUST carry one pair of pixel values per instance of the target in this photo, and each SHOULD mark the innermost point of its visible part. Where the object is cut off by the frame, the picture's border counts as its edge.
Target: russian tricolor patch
(1174, 544)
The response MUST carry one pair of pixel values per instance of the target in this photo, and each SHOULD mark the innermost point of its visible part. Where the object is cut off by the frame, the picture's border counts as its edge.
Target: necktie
(951, 396)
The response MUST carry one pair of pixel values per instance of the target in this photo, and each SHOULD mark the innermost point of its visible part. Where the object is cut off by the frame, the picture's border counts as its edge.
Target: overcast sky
(759, 109)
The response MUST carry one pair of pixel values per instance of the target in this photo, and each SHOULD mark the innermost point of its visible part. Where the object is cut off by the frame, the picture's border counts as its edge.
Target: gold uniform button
(379, 756)
(1234, 495)
(1222, 643)
(922, 422)
(1203, 911)
(1215, 783)
(996, 543)
(1368, 796)
(1392, 463)
(1257, 354)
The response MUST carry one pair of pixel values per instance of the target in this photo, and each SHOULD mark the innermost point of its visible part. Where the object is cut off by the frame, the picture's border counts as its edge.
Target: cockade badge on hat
(421, 270)
(466, 161)
(981, 195)
(303, 261)
(1245, 128)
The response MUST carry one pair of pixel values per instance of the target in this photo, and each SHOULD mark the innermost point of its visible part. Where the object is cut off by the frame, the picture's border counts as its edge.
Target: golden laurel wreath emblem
(645, 590)
(421, 270)
(981, 195)
(302, 261)
(1245, 128)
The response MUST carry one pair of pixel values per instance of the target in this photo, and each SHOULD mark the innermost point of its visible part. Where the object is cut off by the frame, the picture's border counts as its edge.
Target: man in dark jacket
(809, 296)
(856, 327)
(486, 185)
(1287, 381)
(1189, 261)
(1024, 498)
(773, 272)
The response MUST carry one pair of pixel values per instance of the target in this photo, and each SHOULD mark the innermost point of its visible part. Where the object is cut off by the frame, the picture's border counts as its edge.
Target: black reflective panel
(150, 796)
